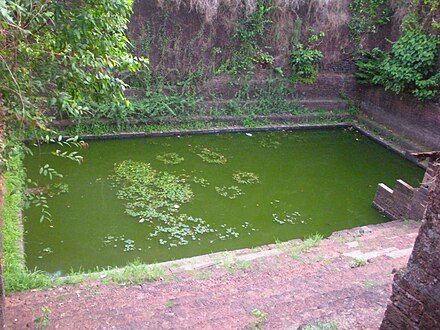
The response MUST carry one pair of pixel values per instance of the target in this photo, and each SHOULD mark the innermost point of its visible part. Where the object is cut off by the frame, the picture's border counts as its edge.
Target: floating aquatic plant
(245, 177)
(57, 189)
(116, 241)
(291, 218)
(149, 194)
(227, 233)
(231, 192)
(181, 230)
(45, 252)
(129, 245)
(152, 196)
(210, 156)
(203, 182)
(170, 158)
(270, 142)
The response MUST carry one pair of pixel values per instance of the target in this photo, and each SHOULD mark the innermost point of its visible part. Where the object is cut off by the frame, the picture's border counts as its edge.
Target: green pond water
(301, 183)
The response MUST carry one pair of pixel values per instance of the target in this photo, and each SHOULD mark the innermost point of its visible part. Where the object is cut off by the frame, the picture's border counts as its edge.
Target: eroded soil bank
(293, 284)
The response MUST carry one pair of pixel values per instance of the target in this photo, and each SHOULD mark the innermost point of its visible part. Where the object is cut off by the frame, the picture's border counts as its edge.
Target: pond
(164, 198)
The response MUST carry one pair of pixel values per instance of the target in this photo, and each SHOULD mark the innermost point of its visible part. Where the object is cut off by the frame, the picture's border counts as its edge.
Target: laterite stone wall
(404, 201)
(415, 301)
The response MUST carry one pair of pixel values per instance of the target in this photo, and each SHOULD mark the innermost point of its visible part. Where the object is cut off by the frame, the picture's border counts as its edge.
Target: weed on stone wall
(411, 65)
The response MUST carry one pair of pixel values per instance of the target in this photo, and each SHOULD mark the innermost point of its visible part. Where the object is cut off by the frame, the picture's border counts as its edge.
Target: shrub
(409, 66)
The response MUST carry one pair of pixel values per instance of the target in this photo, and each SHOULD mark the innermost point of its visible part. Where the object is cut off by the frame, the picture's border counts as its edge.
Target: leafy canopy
(56, 56)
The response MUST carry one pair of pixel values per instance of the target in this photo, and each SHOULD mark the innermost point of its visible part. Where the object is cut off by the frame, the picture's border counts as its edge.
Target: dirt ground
(328, 283)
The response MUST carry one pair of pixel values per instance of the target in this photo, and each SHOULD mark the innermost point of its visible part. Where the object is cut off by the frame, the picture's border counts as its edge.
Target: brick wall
(404, 201)
(415, 301)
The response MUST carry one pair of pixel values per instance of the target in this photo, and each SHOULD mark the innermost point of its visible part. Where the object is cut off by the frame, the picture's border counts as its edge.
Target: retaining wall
(403, 114)
(415, 301)
(404, 201)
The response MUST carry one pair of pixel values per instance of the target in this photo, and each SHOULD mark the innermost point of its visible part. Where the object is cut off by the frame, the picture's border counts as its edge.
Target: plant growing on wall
(409, 66)
(368, 15)
(304, 59)
(249, 34)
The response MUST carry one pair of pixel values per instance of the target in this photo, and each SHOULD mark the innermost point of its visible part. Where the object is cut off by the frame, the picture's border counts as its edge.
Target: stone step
(310, 104)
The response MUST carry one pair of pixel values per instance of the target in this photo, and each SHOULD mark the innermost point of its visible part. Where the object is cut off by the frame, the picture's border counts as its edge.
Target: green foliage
(170, 303)
(245, 177)
(319, 325)
(149, 194)
(249, 34)
(409, 66)
(39, 200)
(368, 15)
(155, 197)
(210, 156)
(311, 241)
(231, 192)
(232, 265)
(44, 320)
(304, 60)
(261, 319)
(180, 230)
(369, 65)
(275, 98)
(136, 273)
(17, 276)
(358, 263)
(57, 54)
(291, 218)
(161, 99)
(38, 196)
(170, 158)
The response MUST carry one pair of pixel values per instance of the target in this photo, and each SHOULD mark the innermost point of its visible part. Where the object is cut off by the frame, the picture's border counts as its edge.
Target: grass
(358, 263)
(319, 325)
(203, 275)
(100, 128)
(43, 321)
(232, 265)
(311, 241)
(261, 319)
(170, 303)
(135, 273)
(17, 276)
(296, 250)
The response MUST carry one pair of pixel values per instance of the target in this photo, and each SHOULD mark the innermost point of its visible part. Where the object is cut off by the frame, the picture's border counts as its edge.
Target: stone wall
(181, 36)
(415, 301)
(403, 114)
(404, 201)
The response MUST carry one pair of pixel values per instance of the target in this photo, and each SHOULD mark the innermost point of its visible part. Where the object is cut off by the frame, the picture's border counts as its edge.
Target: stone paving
(343, 282)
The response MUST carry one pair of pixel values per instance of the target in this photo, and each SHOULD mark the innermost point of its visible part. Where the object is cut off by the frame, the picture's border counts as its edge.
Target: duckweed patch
(270, 142)
(170, 158)
(180, 230)
(149, 194)
(201, 181)
(245, 177)
(231, 192)
(210, 156)
(290, 218)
